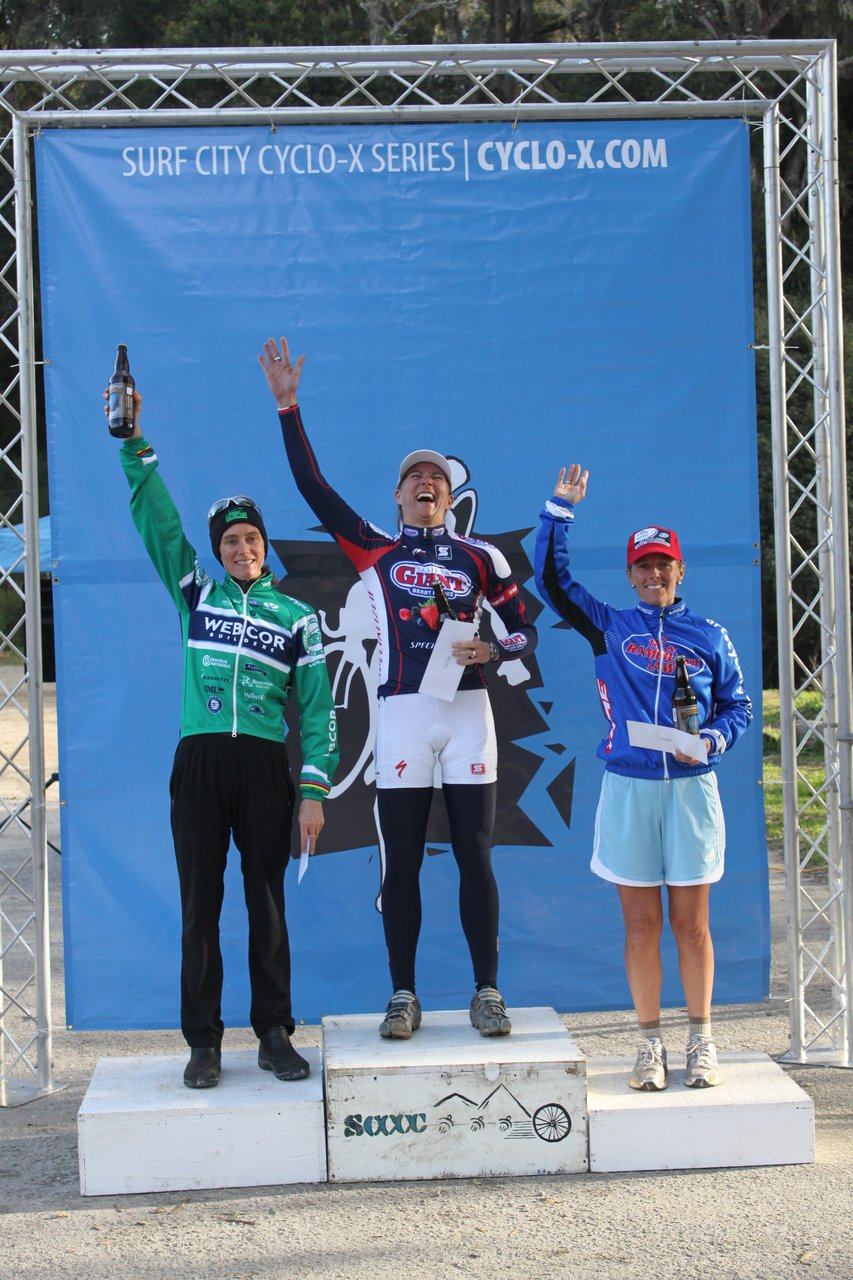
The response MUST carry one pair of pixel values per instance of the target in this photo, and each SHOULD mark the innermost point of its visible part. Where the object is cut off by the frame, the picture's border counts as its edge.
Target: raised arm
(156, 517)
(557, 587)
(360, 541)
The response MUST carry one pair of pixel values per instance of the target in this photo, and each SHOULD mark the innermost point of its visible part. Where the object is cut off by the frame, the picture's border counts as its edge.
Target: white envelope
(303, 864)
(443, 672)
(659, 737)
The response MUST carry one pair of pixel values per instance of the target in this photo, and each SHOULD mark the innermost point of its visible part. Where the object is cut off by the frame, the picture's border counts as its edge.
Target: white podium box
(757, 1116)
(141, 1129)
(450, 1103)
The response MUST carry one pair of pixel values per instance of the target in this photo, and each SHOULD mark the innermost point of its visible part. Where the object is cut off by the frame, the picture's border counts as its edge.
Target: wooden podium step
(450, 1103)
(140, 1129)
(758, 1115)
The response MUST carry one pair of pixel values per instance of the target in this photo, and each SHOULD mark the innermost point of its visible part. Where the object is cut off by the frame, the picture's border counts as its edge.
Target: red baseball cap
(653, 540)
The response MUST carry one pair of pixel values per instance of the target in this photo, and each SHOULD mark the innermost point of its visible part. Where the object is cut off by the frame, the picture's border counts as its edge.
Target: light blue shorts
(651, 832)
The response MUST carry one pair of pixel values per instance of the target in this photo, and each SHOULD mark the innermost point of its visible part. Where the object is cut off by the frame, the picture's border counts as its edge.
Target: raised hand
(137, 411)
(571, 483)
(282, 376)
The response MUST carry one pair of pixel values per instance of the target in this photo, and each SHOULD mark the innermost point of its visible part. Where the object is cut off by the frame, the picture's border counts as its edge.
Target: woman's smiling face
(656, 578)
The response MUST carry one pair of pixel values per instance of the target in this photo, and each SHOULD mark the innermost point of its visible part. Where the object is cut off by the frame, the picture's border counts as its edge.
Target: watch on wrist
(494, 652)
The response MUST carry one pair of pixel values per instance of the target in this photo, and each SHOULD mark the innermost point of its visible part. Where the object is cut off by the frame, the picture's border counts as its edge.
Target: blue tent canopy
(12, 547)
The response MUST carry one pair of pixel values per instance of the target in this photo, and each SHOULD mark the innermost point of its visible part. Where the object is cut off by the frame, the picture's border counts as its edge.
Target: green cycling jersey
(244, 650)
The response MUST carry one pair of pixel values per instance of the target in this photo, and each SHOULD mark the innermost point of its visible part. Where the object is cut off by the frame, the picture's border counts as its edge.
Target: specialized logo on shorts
(214, 705)
(644, 653)
(400, 766)
(418, 580)
(478, 769)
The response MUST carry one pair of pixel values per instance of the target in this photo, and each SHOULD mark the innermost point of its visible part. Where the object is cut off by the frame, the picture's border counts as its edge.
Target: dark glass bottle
(685, 708)
(121, 397)
(445, 608)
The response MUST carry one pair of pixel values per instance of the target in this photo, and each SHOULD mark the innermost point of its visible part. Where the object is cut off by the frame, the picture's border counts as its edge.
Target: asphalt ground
(730, 1224)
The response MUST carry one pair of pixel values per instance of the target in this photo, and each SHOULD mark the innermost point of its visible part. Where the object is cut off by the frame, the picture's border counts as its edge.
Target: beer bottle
(685, 709)
(121, 397)
(445, 608)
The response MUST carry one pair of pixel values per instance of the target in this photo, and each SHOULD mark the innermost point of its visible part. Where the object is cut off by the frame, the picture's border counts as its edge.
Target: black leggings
(222, 785)
(403, 815)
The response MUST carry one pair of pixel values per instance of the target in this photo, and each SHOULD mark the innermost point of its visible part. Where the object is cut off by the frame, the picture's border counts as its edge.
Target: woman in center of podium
(409, 578)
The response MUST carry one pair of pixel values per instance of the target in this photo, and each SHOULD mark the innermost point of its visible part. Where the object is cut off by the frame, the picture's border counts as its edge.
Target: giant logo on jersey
(643, 652)
(419, 580)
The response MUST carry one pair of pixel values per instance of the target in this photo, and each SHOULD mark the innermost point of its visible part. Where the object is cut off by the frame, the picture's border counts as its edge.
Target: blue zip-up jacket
(635, 652)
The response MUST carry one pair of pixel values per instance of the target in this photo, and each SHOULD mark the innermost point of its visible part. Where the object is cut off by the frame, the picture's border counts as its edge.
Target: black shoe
(202, 1070)
(277, 1054)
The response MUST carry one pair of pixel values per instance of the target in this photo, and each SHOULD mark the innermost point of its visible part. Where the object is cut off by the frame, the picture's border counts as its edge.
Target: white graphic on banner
(318, 160)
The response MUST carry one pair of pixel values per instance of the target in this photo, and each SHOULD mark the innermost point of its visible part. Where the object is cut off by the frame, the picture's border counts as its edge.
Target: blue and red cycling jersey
(400, 573)
(635, 654)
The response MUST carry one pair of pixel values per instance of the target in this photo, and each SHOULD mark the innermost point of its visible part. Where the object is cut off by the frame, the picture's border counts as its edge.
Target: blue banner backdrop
(517, 297)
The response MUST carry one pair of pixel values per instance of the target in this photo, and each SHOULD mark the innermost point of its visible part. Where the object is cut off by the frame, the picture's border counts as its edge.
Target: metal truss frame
(787, 87)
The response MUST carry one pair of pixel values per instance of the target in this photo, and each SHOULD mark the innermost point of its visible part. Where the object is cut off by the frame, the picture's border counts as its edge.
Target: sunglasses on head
(237, 500)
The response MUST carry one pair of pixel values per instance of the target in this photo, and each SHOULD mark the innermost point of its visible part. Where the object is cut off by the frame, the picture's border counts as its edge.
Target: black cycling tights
(403, 817)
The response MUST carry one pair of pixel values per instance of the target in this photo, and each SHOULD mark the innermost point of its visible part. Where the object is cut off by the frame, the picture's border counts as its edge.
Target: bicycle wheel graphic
(552, 1122)
(352, 690)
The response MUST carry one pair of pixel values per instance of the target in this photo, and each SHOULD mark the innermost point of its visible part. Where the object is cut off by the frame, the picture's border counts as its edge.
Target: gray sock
(650, 1030)
(700, 1028)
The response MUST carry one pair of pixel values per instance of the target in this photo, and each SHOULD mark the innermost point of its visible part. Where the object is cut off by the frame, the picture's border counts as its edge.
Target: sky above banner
(517, 298)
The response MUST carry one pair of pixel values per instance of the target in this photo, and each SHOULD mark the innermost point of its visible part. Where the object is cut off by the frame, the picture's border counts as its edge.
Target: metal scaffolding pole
(792, 86)
(781, 518)
(843, 666)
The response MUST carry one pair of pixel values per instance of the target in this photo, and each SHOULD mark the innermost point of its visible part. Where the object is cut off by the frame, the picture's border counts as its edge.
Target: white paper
(303, 864)
(443, 672)
(659, 737)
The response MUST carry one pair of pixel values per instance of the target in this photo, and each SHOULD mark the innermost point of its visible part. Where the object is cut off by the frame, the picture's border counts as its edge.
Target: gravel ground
(733, 1224)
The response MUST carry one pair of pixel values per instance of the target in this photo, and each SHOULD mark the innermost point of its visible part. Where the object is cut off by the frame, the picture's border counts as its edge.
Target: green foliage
(810, 774)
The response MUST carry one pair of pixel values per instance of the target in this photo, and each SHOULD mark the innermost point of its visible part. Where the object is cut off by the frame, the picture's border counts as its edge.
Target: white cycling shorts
(423, 741)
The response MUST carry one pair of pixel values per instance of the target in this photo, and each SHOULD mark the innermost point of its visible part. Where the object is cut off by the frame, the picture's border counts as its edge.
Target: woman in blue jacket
(659, 819)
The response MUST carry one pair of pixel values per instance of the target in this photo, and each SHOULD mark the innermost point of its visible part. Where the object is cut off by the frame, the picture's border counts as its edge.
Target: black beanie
(235, 513)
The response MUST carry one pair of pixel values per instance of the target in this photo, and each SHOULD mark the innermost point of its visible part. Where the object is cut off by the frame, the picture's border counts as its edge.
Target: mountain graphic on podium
(500, 1108)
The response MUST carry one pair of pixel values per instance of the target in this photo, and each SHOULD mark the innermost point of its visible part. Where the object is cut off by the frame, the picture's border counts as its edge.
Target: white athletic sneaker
(650, 1069)
(702, 1070)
